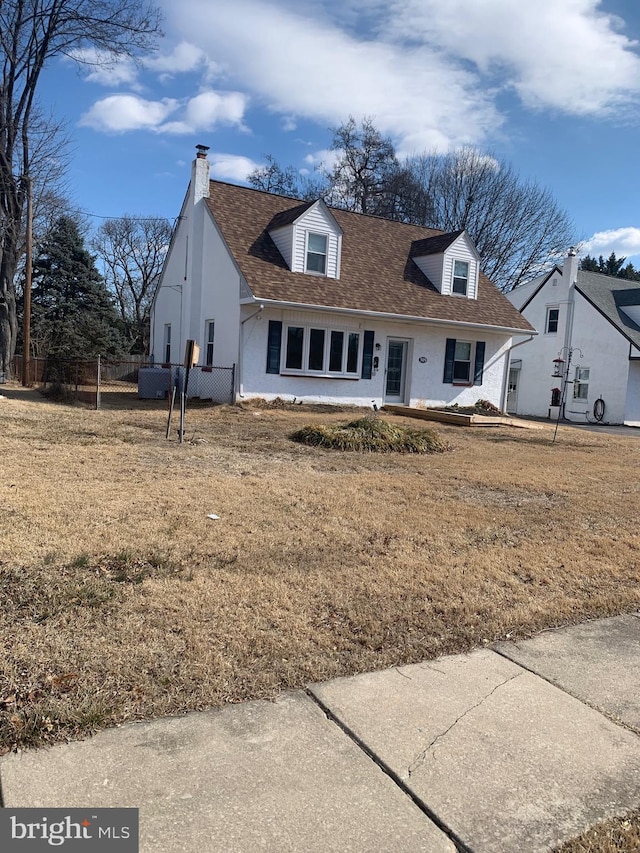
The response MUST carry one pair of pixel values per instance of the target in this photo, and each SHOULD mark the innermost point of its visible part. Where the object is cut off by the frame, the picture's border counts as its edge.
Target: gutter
(380, 315)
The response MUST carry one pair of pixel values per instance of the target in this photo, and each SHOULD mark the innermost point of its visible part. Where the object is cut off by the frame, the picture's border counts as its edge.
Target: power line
(129, 218)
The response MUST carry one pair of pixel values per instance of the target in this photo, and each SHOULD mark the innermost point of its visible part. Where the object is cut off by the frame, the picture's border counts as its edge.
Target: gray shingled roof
(609, 295)
(376, 274)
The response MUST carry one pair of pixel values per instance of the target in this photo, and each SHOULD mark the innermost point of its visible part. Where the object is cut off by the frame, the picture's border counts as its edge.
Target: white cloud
(231, 167)
(208, 109)
(420, 96)
(104, 67)
(183, 58)
(325, 157)
(121, 113)
(564, 54)
(428, 72)
(625, 242)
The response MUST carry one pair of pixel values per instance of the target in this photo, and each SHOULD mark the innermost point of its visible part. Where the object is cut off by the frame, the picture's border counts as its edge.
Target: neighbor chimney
(570, 266)
(200, 174)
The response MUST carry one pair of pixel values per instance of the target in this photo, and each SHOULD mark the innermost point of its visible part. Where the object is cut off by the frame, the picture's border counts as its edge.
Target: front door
(396, 371)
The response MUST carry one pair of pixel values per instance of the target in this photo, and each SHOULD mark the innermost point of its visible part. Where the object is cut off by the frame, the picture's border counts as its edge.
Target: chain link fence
(107, 382)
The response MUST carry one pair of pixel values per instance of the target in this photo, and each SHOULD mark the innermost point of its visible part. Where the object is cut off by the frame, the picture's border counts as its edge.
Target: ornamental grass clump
(372, 435)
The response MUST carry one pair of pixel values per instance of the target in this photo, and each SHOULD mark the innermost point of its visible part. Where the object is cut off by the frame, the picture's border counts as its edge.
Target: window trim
(547, 321)
(308, 251)
(306, 340)
(209, 342)
(464, 279)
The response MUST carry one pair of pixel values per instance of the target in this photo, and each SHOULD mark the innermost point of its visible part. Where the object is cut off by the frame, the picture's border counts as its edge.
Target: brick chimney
(200, 174)
(570, 267)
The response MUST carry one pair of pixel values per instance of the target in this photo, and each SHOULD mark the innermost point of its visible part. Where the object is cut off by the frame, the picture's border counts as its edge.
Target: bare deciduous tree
(362, 175)
(517, 226)
(32, 32)
(132, 250)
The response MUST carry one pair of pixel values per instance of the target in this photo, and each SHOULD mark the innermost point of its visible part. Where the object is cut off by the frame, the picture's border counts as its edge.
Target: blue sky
(553, 87)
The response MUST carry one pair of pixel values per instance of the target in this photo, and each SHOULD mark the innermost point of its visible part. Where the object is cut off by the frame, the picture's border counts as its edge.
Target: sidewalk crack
(422, 755)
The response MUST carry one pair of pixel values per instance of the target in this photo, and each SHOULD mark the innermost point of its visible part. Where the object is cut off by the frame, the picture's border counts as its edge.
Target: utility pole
(26, 334)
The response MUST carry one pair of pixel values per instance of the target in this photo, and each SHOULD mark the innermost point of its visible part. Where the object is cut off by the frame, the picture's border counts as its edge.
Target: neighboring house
(589, 336)
(330, 306)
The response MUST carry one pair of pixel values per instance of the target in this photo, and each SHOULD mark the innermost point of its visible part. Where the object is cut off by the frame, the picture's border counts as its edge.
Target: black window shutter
(479, 365)
(367, 354)
(273, 346)
(449, 355)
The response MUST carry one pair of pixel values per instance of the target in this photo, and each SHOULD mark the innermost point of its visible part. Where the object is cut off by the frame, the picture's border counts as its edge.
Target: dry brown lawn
(618, 835)
(121, 600)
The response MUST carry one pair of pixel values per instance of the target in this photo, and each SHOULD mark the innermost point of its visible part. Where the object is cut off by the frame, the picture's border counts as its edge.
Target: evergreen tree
(73, 312)
(612, 266)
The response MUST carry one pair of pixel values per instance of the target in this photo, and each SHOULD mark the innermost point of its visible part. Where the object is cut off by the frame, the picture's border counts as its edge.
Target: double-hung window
(460, 277)
(209, 332)
(320, 351)
(551, 326)
(581, 383)
(316, 253)
(463, 362)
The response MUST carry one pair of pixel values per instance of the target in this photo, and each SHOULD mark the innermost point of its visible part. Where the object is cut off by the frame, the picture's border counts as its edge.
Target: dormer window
(316, 253)
(460, 277)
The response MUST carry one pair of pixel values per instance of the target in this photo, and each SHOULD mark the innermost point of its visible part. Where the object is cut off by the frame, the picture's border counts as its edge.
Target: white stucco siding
(316, 221)
(424, 363)
(535, 380)
(596, 343)
(167, 306)
(200, 283)
(219, 298)
(632, 405)
(598, 346)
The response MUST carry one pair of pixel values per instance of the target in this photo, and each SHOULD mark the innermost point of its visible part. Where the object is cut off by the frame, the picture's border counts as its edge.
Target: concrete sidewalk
(516, 747)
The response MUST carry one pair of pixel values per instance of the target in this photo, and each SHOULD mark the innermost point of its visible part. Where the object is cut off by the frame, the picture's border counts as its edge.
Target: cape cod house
(587, 355)
(327, 305)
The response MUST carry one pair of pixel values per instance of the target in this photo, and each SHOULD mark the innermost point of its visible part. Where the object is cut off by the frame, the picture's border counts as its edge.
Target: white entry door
(512, 392)
(396, 372)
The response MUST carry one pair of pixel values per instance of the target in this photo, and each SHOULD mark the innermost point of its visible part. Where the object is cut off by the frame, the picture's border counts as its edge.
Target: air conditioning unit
(153, 383)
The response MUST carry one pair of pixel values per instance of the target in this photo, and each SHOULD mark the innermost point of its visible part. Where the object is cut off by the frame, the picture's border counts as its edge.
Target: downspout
(505, 382)
(242, 322)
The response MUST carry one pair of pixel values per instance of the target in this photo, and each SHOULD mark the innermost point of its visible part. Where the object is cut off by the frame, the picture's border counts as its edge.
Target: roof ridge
(332, 207)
